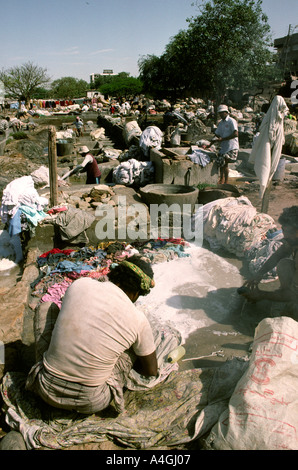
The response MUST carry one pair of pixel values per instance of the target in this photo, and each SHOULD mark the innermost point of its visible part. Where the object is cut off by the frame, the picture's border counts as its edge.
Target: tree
(152, 74)
(122, 85)
(69, 88)
(226, 46)
(21, 82)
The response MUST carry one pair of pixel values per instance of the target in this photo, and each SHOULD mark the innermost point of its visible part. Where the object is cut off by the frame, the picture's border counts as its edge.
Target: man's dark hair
(289, 217)
(127, 279)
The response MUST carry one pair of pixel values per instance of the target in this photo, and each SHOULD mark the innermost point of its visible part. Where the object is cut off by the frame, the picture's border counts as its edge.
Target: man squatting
(98, 337)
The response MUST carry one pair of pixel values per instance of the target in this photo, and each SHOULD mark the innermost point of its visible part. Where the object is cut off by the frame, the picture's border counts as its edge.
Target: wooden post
(53, 167)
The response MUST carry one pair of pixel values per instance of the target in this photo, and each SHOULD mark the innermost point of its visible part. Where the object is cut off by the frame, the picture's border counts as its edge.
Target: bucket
(64, 148)
(280, 170)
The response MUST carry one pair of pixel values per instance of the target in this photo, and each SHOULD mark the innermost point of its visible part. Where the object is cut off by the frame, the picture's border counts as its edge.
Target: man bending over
(285, 259)
(83, 368)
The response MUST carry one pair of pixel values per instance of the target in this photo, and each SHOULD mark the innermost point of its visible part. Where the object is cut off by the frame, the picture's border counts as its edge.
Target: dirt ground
(243, 319)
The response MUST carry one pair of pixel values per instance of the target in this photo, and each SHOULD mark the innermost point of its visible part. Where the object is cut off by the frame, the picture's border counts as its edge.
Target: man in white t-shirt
(227, 134)
(98, 325)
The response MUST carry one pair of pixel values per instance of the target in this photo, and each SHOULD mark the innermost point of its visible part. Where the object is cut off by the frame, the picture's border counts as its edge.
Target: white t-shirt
(225, 128)
(96, 324)
(87, 159)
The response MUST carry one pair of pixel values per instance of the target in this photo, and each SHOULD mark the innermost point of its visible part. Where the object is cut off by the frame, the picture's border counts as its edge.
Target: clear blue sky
(79, 37)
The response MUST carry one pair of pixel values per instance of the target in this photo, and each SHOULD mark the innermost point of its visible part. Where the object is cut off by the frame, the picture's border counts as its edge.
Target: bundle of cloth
(200, 157)
(21, 210)
(20, 193)
(131, 129)
(151, 137)
(235, 225)
(134, 172)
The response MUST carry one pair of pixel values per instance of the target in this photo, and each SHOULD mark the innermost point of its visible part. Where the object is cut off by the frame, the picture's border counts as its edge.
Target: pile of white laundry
(20, 191)
(151, 137)
(234, 225)
(134, 172)
(65, 134)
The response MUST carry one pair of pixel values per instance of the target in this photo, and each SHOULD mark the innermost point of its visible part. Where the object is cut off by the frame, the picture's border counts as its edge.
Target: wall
(169, 171)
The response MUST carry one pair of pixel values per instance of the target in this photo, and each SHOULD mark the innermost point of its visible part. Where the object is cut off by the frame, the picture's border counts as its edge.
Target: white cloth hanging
(267, 147)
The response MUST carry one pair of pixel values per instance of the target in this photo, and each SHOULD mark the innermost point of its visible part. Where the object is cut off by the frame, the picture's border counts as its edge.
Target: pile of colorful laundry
(59, 268)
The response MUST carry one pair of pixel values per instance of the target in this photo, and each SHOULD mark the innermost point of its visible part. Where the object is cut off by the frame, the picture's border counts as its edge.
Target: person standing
(227, 134)
(79, 124)
(175, 139)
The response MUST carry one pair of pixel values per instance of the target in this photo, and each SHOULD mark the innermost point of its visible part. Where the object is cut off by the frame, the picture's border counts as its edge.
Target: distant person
(175, 139)
(79, 125)
(16, 124)
(285, 259)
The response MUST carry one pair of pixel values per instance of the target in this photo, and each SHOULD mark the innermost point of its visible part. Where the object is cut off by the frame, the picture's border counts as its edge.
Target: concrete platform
(185, 172)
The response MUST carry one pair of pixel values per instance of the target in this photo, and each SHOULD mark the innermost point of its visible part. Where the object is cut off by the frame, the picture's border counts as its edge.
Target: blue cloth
(69, 266)
(200, 157)
(15, 225)
(32, 215)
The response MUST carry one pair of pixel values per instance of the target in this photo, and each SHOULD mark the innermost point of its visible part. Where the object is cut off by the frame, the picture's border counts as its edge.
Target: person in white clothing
(175, 139)
(227, 134)
(98, 337)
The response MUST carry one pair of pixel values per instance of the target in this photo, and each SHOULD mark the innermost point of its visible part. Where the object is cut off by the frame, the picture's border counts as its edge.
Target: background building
(105, 72)
(287, 49)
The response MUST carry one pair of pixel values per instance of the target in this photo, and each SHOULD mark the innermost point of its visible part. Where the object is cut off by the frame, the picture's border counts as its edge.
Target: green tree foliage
(104, 79)
(121, 85)
(226, 46)
(229, 46)
(21, 82)
(69, 88)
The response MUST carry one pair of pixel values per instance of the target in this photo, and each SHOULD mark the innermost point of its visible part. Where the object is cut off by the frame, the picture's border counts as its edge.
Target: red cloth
(56, 250)
(56, 209)
(178, 241)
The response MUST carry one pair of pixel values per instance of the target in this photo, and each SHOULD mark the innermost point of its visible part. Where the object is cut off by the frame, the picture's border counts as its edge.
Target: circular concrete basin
(169, 194)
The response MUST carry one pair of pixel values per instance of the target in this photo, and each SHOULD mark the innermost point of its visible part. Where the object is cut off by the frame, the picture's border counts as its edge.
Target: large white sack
(263, 410)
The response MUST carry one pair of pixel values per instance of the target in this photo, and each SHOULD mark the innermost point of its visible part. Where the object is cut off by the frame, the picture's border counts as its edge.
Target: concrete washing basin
(169, 194)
